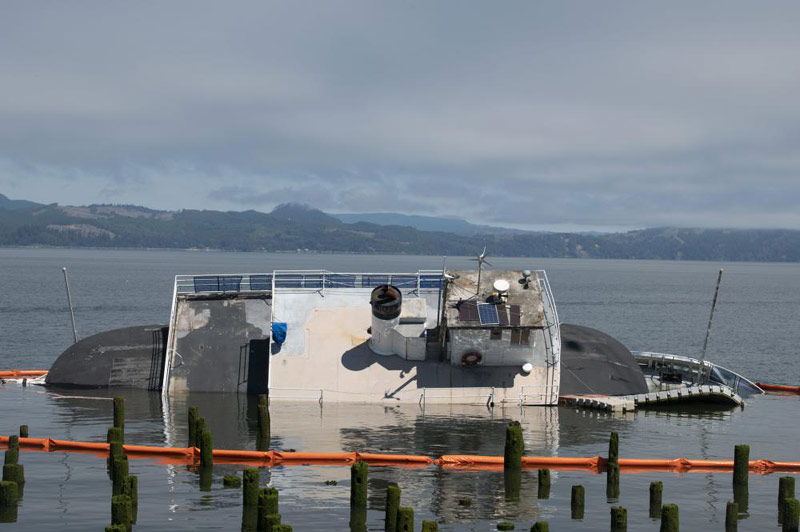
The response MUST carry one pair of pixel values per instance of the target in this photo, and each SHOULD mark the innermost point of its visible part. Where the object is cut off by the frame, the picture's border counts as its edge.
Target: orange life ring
(471, 359)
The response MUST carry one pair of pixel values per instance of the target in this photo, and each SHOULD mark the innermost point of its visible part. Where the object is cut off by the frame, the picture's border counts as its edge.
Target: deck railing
(311, 280)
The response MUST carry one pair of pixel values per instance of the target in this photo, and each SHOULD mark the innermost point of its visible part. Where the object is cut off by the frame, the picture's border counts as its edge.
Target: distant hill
(292, 227)
(425, 223)
(16, 205)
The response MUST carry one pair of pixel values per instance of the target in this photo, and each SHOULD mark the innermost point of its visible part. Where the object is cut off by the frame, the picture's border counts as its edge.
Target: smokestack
(386, 302)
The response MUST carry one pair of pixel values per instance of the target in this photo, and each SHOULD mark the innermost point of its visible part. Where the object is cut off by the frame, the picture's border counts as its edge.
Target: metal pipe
(69, 301)
(711, 316)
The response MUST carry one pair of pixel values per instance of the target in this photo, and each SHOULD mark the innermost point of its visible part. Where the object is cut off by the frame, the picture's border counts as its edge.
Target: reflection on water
(178, 492)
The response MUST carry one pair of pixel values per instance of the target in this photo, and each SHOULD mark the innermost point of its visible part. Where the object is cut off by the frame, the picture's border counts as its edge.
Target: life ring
(471, 359)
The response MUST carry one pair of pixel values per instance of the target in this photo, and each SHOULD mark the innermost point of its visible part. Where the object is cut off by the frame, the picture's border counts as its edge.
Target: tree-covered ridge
(293, 227)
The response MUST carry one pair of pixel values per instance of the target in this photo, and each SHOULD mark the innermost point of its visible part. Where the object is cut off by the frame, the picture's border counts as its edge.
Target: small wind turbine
(481, 259)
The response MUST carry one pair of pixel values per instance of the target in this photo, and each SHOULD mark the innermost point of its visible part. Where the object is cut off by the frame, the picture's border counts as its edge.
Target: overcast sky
(560, 114)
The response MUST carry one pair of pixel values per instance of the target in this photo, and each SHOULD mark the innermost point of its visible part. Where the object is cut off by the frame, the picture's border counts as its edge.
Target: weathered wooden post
(791, 516)
(430, 526)
(131, 489)
(262, 442)
(119, 474)
(731, 517)
(231, 481)
(405, 519)
(741, 473)
(267, 505)
(199, 427)
(358, 495)
(515, 446)
(9, 493)
(544, 484)
(612, 468)
(15, 473)
(192, 426)
(119, 413)
(393, 494)
(12, 453)
(121, 511)
(619, 519)
(23, 431)
(540, 526)
(250, 487)
(785, 492)
(269, 522)
(577, 502)
(656, 495)
(669, 518)
(250, 481)
(206, 449)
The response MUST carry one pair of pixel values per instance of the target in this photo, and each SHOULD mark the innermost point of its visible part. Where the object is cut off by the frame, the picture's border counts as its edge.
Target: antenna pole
(711, 317)
(480, 268)
(439, 301)
(69, 301)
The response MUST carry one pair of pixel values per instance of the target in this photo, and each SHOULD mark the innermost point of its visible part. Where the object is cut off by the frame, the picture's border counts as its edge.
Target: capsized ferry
(431, 336)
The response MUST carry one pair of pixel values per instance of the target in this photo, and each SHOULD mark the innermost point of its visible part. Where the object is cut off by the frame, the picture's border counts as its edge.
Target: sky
(559, 115)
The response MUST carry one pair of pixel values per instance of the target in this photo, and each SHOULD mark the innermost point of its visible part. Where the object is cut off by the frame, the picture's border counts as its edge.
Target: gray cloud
(528, 114)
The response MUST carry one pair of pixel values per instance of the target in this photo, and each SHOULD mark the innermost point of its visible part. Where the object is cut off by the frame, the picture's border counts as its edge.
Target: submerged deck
(220, 341)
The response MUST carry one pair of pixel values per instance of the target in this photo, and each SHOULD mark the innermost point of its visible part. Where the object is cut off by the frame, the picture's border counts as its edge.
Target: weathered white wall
(496, 352)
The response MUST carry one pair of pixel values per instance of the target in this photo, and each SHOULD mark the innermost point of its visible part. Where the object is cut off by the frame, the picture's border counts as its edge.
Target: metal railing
(312, 280)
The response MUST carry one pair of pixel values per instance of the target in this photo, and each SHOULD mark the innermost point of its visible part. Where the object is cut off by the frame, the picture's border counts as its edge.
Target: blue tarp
(279, 332)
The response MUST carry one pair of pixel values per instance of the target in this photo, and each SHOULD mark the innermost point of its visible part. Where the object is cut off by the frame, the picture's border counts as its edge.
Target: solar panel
(488, 314)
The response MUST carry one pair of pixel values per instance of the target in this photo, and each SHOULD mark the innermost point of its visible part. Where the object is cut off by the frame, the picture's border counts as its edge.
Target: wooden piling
(11, 456)
(15, 473)
(192, 426)
(250, 487)
(791, 516)
(119, 413)
(741, 464)
(358, 484)
(282, 528)
(612, 468)
(656, 495)
(268, 522)
(405, 519)
(114, 434)
(119, 474)
(199, 427)
(267, 503)
(9, 493)
(9, 499)
(505, 525)
(206, 449)
(540, 526)
(12, 452)
(669, 518)
(393, 494)
(116, 528)
(741, 494)
(619, 519)
(231, 481)
(731, 517)
(23, 431)
(131, 489)
(785, 492)
(515, 446)
(206, 477)
(430, 526)
(121, 511)
(544, 484)
(577, 502)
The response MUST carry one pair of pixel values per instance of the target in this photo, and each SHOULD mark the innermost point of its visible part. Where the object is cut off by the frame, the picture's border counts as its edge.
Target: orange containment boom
(778, 388)
(594, 464)
(22, 373)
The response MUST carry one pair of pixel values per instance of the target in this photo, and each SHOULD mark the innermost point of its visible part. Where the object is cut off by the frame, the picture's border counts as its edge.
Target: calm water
(647, 305)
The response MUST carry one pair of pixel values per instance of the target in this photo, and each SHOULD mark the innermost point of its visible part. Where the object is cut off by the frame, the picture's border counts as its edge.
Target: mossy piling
(543, 491)
(669, 518)
(577, 502)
